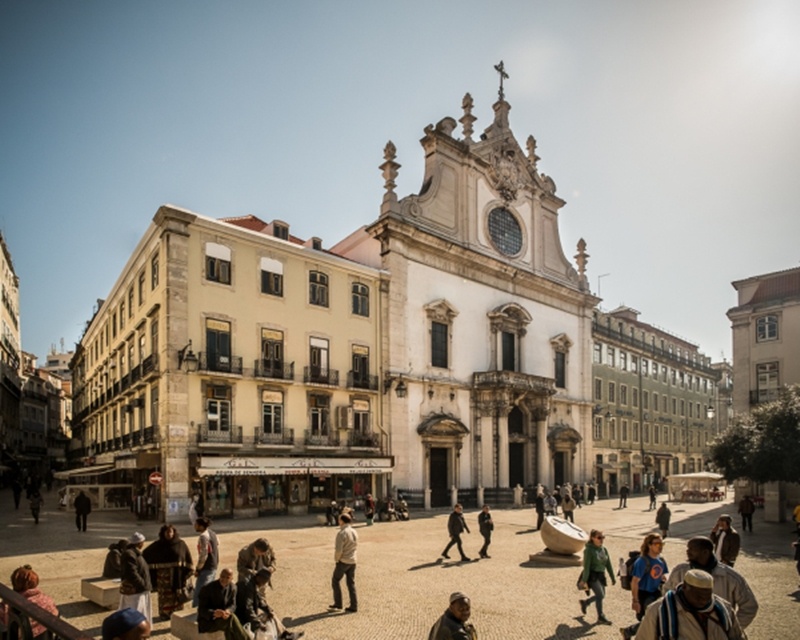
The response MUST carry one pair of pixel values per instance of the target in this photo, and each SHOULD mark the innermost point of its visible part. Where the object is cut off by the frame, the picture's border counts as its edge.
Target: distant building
(655, 401)
(10, 359)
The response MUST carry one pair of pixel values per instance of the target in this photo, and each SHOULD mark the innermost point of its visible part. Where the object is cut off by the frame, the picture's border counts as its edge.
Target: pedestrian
(596, 563)
(624, 490)
(83, 507)
(453, 625)
(550, 504)
(558, 498)
(485, 526)
(16, 489)
(193, 515)
(207, 557)
(126, 624)
(136, 586)
(728, 583)
(663, 516)
(726, 540)
(37, 502)
(112, 567)
(746, 509)
(25, 581)
(539, 505)
(170, 563)
(332, 514)
(254, 612)
(257, 555)
(691, 611)
(648, 574)
(568, 506)
(651, 491)
(456, 525)
(591, 493)
(369, 509)
(216, 609)
(796, 545)
(344, 555)
(577, 495)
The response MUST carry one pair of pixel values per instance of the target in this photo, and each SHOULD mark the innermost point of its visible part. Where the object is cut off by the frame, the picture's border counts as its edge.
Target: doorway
(516, 464)
(439, 477)
(559, 468)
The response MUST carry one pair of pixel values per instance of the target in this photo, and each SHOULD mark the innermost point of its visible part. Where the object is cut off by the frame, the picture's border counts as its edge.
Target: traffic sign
(156, 478)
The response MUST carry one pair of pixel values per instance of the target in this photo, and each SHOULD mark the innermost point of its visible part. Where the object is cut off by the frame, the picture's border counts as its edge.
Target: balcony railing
(357, 380)
(357, 439)
(317, 439)
(276, 371)
(283, 437)
(514, 380)
(316, 375)
(150, 364)
(220, 363)
(229, 435)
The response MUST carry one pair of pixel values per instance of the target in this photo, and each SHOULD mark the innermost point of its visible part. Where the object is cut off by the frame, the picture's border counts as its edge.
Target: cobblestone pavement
(402, 589)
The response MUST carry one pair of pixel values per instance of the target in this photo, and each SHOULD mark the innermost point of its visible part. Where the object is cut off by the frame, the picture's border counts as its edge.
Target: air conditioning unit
(345, 417)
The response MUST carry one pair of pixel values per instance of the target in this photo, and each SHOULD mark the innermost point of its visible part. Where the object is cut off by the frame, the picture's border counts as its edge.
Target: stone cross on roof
(500, 68)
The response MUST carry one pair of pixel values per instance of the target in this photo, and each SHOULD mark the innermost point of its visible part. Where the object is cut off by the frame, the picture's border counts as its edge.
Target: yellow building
(10, 383)
(236, 363)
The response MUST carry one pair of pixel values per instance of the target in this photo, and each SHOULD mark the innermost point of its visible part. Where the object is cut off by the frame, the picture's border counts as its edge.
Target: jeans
(348, 571)
(599, 590)
(203, 578)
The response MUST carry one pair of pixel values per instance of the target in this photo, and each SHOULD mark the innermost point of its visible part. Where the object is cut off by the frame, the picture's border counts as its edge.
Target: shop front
(245, 487)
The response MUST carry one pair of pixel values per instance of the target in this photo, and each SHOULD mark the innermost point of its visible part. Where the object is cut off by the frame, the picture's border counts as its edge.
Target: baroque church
(486, 327)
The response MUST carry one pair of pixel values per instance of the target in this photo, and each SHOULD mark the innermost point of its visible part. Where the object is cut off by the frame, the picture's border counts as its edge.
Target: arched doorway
(563, 441)
(442, 440)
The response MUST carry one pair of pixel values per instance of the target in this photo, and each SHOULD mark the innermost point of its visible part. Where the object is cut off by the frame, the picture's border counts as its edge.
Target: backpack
(625, 580)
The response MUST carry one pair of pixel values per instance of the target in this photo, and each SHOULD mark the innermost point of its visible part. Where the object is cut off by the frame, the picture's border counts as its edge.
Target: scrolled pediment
(442, 425)
(441, 311)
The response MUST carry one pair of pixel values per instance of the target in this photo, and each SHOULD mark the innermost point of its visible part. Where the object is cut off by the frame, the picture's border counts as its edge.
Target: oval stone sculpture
(563, 537)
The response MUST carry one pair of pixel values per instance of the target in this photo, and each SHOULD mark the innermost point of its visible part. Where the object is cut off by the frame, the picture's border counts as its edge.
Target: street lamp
(188, 358)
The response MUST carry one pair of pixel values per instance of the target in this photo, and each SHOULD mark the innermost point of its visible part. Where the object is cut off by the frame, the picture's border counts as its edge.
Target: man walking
(663, 516)
(651, 491)
(485, 526)
(455, 526)
(624, 490)
(726, 540)
(539, 502)
(746, 509)
(345, 557)
(207, 557)
(83, 507)
(453, 625)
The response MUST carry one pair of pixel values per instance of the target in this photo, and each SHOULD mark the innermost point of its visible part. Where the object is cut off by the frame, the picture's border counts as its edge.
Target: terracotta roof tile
(778, 287)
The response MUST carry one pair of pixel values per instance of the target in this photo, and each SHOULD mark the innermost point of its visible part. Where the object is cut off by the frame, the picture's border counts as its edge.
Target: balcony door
(218, 345)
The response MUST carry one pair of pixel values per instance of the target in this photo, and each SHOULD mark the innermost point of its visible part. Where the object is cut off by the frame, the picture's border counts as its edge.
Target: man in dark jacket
(486, 526)
(217, 606)
(455, 526)
(252, 609)
(539, 502)
(453, 624)
(726, 540)
(136, 586)
(83, 507)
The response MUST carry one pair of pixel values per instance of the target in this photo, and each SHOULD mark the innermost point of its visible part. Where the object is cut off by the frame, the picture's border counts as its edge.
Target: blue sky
(670, 128)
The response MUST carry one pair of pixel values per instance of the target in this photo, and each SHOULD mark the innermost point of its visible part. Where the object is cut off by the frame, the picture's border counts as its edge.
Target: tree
(764, 445)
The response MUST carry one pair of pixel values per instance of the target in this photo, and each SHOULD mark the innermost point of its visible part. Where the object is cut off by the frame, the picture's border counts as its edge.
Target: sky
(671, 129)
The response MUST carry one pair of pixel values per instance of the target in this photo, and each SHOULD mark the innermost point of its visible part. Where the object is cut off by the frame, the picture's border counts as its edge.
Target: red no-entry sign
(156, 478)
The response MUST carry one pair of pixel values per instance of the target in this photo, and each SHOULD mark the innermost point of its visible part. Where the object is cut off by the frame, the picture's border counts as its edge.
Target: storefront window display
(298, 491)
(321, 491)
(246, 493)
(218, 491)
(353, 489)
(271, 497)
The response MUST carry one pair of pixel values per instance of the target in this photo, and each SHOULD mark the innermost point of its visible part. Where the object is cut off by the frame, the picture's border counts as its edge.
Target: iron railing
(357, 380)
(284, 436)
(276, 371)
(22, 611)
(229, 435)
(321, 376)
(321, 439)
(220, 363)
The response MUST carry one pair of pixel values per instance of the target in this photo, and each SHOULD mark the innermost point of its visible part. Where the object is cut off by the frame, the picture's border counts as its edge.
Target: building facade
(10, 359)
(656, 400)
(234, 362)
(486, 325)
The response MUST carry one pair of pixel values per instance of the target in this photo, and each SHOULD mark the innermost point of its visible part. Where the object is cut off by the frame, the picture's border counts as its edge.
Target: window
(674, 437)
(645, 399)
(360, 299)
(597, 353)
(683, 407)
(766, 328)
(360, 372)
(130, 302)
(656, 434)
(674, 406)
(673, 376)
(280, 231)
(218, 345)
(664, 403)
(655, 401)
(272, 412)
(635, 432)
(271, 353)
(218, 263)
(624, 431)
(635, 398)
(612, 356)
(271, 277)
(612, 392)
(561, 370)
(635, 364)
(319, 360)
(122, 315)
(114, 325)
(612, 429)
(320, 414)
(623, 360)
(646, 434)
(598, 389)
(623, 394)
(439, 355)
(645, 365)
(218, 407)
(508, 345)
(768, 381)
(598, 429)
(141, 287)
(318, 289)
(154, 271)
(142, 346)
(663, 373)
(361, 417)
(683, 380)
(154, 336)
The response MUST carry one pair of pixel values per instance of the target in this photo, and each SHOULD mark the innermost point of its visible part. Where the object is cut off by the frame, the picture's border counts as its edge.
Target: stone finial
(532, 157)
(390, 172)
(581, 258)
(467, 119)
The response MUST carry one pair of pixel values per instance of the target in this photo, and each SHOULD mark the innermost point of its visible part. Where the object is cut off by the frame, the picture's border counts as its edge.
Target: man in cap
(253, 610)
(216, 608)
(691, 612)
(728, 583)
(453, 624)
(726, 540)
(126, 624)
(136, 586)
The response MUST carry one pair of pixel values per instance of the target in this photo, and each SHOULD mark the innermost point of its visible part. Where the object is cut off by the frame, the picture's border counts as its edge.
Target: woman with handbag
(596, 563)
(171, 567)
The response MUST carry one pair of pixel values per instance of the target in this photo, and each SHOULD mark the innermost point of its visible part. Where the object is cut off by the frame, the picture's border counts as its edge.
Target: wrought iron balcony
(150, 364)
(273, 370)
(356, 380)
(514, 380)
(219, 435)
(220, 363)
(358, 439)
(316, 375)
(283, 437)
(316, 439)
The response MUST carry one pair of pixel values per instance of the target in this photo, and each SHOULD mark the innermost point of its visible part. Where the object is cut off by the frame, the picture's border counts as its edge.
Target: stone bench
(183, 625)
(102, 591)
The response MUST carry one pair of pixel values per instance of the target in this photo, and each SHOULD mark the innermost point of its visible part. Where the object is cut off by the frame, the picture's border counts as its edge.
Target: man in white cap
(691, 612)
(136, 586)
(453, 624)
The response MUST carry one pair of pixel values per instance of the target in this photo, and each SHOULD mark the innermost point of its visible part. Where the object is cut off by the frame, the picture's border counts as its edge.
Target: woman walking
(649, 573)
(596, 563)
(170, 563)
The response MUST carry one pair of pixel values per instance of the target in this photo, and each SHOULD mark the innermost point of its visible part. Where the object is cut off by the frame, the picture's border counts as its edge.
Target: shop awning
(275, 466)
(84, 471)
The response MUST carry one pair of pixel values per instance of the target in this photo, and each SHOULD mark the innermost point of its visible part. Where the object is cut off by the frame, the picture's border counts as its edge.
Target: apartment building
(10, 359)
(234, 362)
(655, 401)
